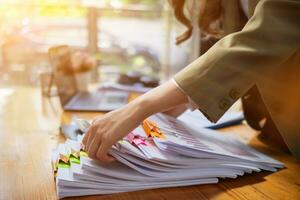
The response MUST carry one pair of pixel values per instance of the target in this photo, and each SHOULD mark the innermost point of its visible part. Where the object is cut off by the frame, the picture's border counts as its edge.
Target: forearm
(157, 100)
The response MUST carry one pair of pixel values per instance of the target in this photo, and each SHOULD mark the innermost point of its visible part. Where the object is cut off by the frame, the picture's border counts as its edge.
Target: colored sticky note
(152, 130)
(64, 158)
(83, 154)
(136, 139)
(75, 153)
(74, 160)
(63, 165)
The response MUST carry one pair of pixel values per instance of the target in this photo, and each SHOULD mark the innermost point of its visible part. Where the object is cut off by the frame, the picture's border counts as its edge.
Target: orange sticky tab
(146, 127)
(75, 153)
(152, 130)
(157, 134)
(64, 158)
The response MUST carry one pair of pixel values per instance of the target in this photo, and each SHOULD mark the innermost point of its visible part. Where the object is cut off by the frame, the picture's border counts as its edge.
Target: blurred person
(258, 62)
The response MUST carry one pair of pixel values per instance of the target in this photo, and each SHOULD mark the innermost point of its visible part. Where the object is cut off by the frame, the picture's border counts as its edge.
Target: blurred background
(122, 35)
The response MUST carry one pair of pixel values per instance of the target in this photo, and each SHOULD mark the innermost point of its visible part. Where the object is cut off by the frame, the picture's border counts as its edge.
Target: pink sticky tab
(130, 137)
(138, 141)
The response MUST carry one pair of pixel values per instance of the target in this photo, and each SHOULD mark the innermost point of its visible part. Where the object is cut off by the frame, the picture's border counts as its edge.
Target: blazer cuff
(212, 100)
(191, 105)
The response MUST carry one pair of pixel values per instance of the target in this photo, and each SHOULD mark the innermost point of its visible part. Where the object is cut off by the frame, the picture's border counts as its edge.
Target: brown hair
(209, 19)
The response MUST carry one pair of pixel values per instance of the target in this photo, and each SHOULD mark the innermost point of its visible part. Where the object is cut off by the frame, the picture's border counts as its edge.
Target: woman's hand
(113, 126)
(108, 129)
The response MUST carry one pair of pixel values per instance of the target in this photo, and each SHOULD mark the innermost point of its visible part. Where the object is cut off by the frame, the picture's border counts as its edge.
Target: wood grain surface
(29, 130)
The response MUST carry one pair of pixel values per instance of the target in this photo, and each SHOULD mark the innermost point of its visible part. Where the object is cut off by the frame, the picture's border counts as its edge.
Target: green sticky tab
(63, 165)
(75, 160)
(122, 142)
(83, 154)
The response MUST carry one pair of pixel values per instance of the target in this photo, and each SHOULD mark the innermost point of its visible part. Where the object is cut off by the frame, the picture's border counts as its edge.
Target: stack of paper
(162, 152)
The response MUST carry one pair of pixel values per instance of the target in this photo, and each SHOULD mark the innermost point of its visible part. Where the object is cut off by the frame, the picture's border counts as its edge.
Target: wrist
(141, 108)
(133, 113)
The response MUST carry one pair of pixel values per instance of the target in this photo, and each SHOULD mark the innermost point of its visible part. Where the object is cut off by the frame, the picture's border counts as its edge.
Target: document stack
(161, 152)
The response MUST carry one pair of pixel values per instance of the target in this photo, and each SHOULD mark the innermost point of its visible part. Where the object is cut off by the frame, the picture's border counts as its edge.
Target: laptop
(74, 100)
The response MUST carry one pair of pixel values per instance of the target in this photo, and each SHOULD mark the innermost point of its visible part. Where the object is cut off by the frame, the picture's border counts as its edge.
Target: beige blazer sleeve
(222, 75)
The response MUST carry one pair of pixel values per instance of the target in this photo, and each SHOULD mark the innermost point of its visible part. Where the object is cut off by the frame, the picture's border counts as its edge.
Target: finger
(102, 154)
(85, 141)
(94, 146)
(85, 138)
(92, 132)
(87, 135)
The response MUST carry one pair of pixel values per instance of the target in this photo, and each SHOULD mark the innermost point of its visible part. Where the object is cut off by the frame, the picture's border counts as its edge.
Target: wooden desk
(30, 130)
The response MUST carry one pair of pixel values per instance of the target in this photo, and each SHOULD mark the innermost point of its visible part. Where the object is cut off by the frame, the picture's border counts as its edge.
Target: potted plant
(82, 65)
